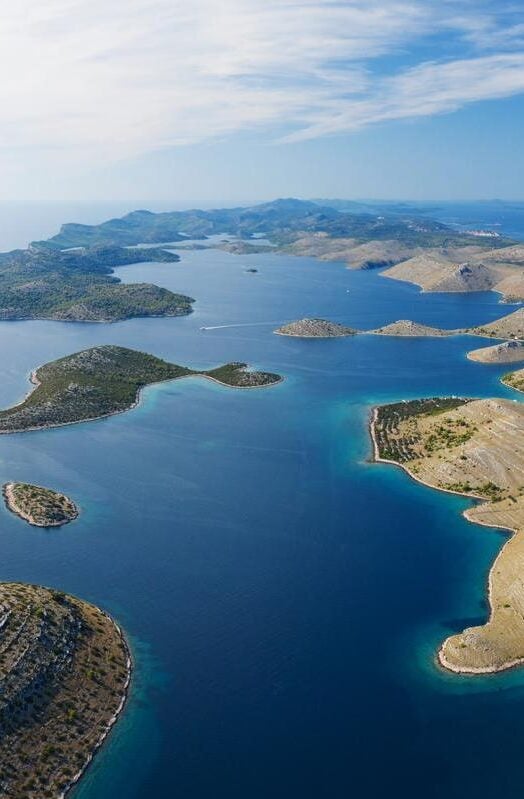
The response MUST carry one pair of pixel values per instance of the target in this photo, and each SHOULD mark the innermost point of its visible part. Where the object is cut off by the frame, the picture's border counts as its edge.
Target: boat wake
(240, 324)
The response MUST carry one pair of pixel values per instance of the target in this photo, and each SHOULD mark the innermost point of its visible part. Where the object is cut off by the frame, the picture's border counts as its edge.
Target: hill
(79, 286)
(510, 326)
(405, 327)
(466, 269)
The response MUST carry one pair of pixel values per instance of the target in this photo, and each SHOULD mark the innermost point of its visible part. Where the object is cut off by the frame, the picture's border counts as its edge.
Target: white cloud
(426, 90)
(97, 80)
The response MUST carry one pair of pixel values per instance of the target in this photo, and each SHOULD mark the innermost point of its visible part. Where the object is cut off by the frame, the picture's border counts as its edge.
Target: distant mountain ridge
(282, 219)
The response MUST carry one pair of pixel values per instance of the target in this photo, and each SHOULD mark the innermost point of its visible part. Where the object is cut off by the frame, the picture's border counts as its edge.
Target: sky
(211, 102)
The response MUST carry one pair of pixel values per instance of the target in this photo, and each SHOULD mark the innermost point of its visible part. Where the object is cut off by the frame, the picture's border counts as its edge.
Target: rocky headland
(474, 448)
(507, 352)
(64, 669)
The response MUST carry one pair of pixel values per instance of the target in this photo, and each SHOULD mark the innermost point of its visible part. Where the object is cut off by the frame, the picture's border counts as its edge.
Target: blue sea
(283, 596)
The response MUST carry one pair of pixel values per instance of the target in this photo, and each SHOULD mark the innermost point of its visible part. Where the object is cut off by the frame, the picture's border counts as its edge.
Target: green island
(65, 669)
(39, 506)
(472, 447)
(105, 380)
(78, 285)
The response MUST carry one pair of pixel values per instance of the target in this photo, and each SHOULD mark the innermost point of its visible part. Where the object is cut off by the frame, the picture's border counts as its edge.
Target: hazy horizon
(218, 102)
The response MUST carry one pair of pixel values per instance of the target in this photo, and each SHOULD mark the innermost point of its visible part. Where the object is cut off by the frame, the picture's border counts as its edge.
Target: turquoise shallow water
(283, 596)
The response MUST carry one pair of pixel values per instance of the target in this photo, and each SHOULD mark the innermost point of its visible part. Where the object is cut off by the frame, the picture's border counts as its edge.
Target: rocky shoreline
(66, 672)
(496, 645)
(55, 509)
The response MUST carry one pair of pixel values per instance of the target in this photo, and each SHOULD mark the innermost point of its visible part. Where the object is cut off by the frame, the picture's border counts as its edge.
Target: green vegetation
(281, 221)
(52, 715)
(106, 380)
(451, 433)
(388, 417)
(460, 488)
(39, 506)
(78, 286)
(514, 379)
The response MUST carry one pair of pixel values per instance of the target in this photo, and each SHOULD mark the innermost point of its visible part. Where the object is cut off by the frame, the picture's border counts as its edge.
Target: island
(65, 669)
(315, 328)
(507, 352)
(405, 327)
(509, 327)
(473, 447)
(39, 506)
(79, 285)
(106, 380)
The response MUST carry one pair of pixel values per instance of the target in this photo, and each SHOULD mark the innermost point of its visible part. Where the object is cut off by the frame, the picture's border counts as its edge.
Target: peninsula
(315, 328)
(65, 670)
(508, 327)
(105, 380)
(39, 506)
(507, 352)
(514, 380)
(474, 448)
(465, 269)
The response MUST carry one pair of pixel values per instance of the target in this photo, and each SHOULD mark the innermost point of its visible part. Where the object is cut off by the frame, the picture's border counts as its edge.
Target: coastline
(135, 404)
(114, 718)
(512, 532)
(300, 335)
(10, 503)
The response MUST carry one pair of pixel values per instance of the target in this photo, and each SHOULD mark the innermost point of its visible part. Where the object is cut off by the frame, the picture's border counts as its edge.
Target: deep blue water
(284, 597)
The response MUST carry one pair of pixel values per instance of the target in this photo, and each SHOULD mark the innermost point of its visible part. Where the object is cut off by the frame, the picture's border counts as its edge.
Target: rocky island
(474, 448)
(405, 327)
(315, 328)
(105, 380)
(39, 506)
(65, 669)
(510, 327)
